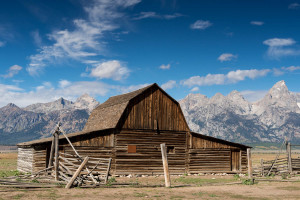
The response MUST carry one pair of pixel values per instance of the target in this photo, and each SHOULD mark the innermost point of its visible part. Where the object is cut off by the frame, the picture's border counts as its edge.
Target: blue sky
(51, 49)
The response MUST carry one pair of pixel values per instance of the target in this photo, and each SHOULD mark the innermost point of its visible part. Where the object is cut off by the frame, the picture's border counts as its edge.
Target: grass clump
(111, 181)
(248, 182)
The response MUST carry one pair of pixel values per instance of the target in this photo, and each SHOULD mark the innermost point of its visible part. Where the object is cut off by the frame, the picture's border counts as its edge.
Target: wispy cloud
(201, 24)
(2, 44)
(84, 40)
(12, 71)
(283, 70)
(47, 92)
(168, 85)
(291, 68)
(126, 89)
(145, 15)
(254, 96)
(195, 89)
(226, 57)
(294, 6)
(168, 66)
(280, 47)
(112, 69)
(64, 83)
(221, 79)
(257, 23)
(36, 37)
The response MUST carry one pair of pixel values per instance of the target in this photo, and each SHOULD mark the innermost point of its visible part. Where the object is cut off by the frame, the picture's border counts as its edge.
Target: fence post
(165, 164)
(249, 163)
(56, 136)
(262, 167)
(289, 153)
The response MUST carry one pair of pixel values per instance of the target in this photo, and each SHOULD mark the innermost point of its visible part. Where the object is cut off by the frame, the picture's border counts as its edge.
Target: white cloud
(278, 42)
(278, 47)
(226, 57)
(64, 83)
(294, 6)
(46, 92)
(168, 66)
(2, 44)
(144, 15)
(195, 89)
(240, 75)
(126, 89)
(13, 70)
(291, 68)
(201, 24)
(84, 41)
(221, 79)
(112, 69)
(257, 23)
(168, 85)
(277, 72)
(254, 96)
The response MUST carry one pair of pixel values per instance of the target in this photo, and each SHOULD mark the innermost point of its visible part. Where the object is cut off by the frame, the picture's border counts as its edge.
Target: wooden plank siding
(209, 160)
(25, 160)
(147, 159)
(150, 107)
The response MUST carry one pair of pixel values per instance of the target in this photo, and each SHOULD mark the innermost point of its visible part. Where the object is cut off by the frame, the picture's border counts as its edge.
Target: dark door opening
(235, 160)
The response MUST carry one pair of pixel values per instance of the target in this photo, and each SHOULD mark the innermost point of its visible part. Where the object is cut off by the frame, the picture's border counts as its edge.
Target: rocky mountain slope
(232, 117)
(38, 120)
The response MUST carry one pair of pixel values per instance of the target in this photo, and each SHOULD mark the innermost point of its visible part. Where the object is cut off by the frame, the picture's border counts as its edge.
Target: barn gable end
(153, 109)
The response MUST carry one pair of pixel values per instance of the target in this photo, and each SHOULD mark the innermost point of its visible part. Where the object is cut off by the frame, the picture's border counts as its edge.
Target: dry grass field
(200, 187)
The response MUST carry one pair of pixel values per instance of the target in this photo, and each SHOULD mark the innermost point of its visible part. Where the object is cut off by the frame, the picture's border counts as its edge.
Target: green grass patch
(18, 196)
(140, 194)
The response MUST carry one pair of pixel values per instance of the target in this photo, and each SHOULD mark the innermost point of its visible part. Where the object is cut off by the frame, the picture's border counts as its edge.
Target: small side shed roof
(49, 139)
(206, 137)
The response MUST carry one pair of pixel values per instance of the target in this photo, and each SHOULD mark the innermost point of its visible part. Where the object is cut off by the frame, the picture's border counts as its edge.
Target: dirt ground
(183, 187)
(262, 190)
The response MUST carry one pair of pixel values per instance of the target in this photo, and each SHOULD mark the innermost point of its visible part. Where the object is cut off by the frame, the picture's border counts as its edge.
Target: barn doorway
(235, 160)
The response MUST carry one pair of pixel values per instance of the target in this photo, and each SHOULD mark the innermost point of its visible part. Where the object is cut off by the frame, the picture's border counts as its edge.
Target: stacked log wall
(95, 152)
(147, 159)
(25, 160)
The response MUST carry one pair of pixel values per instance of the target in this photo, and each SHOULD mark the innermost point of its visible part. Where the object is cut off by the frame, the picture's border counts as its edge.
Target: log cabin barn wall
(129, 128)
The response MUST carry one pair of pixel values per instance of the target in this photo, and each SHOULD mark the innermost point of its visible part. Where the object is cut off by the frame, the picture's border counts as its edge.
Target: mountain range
(231, 117)
(39, 120)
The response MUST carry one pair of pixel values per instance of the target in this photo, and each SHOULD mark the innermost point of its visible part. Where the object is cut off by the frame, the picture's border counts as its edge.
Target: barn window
(131, 149)
(170, 149)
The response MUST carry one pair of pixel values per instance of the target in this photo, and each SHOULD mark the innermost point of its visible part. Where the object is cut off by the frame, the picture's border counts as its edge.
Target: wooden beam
(165, 164)
(56, 156)
(76, 174)
(249, 163)
(289, 156)
(262, 167)
(107, 171)
(50, 164)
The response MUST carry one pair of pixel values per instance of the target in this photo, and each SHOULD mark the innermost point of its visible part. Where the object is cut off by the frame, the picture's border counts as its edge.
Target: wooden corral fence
(279, 166)
(68, 164)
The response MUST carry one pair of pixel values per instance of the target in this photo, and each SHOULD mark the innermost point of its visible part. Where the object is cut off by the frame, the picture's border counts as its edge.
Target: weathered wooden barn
(129, 128)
